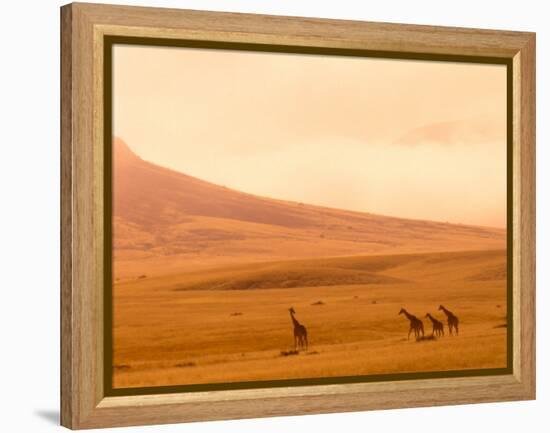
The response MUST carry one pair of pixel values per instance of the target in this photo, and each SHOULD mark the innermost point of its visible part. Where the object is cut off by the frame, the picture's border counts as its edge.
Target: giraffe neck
(294, 321)
(447, 312)
(409, 315)
(431, 318)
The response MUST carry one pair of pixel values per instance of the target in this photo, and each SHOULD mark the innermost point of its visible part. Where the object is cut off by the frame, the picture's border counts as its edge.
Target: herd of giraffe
(300, 331)
(437, 327)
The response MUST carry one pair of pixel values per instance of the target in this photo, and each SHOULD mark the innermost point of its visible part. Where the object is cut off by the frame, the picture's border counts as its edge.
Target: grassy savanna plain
(203, 277)
(231, 324)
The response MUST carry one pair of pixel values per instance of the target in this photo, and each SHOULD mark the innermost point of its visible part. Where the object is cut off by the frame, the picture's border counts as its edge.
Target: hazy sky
(406, 138)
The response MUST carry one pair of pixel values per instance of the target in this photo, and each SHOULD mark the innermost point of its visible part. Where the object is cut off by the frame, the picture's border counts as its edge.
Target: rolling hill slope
(165, 221)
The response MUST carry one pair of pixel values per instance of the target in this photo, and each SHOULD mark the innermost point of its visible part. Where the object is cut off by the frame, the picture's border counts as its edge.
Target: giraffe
(300, 332)
(416, 324)
(452, 320)
(437, 329)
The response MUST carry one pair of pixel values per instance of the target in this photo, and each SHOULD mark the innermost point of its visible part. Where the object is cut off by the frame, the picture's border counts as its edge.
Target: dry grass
(182, 328)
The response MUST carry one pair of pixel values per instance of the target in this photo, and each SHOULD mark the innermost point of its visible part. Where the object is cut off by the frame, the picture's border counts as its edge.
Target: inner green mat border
(108, 43)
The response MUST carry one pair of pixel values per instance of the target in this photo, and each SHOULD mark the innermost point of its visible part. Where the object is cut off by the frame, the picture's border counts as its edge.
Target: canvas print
(294, 216)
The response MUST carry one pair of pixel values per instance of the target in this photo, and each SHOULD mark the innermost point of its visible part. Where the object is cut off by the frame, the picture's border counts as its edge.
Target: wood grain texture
(67, 388)
(524, 216)
(83, 404)
(176, 23)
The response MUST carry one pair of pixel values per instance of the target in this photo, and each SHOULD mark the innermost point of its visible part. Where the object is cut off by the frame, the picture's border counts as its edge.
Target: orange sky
(395, 137)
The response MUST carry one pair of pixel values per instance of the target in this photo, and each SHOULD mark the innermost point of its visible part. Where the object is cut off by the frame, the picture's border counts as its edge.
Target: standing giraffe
(300, 332)
(437, 328)
(416, 324)
(452, 320)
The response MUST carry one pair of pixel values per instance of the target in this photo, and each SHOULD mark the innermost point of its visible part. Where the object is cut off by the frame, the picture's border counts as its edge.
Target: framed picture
(267, 216)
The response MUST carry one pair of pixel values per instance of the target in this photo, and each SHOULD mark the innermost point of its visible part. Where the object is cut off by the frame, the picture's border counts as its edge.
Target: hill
(165, 221)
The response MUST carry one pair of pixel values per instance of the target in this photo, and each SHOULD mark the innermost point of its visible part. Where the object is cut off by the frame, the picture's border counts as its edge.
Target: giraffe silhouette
(416, 324)
(300, 332)
(452, 320)
(437, 326)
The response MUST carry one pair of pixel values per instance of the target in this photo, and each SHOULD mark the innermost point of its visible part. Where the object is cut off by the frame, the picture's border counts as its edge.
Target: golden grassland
(231, 322)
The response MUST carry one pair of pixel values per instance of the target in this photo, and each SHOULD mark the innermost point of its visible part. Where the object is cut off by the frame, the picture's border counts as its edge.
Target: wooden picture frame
(84, 30)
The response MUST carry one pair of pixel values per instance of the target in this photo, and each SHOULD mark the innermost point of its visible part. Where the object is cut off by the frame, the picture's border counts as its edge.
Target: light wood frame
(83, 402)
